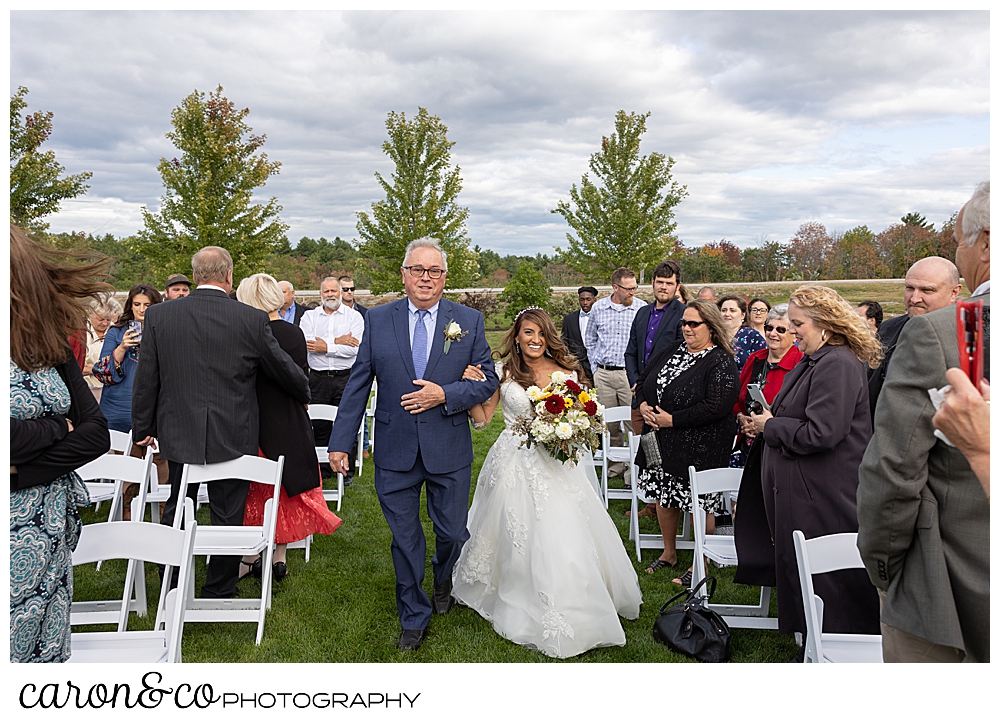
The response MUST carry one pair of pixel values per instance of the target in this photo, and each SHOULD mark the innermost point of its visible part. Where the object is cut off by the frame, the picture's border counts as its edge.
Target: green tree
(37, 185)
(628, 219)
(915, 219)
(526, 287)
(856, 255)
(421, 199)
(208, 198)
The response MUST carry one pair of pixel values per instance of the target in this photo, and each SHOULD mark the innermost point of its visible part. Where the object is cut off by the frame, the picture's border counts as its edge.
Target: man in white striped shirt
(606, 338)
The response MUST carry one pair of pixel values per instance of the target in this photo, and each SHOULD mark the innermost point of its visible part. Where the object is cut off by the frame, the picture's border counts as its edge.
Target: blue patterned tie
(420, 344)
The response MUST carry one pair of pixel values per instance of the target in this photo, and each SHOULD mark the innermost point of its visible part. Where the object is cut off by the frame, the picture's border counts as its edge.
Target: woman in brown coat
(802, 473)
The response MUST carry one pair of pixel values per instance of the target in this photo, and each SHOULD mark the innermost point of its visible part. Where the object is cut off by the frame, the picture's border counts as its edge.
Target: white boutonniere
(452, 332)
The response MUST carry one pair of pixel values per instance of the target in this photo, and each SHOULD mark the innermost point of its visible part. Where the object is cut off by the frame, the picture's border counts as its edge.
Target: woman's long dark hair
(146, 290)
(47, 293)
(514, 367)
(740, 302)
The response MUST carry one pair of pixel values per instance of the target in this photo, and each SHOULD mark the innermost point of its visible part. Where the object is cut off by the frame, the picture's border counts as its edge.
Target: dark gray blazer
(888, 334)
(924, 519)
(195, 386)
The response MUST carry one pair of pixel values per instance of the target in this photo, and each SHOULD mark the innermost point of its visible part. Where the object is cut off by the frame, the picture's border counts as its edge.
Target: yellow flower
(568, 401)
(584, 397)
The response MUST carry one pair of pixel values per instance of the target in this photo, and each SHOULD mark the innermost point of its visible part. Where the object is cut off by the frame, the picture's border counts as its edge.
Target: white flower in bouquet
(582, 422)
(542, 430)
(540, 408)
(533, 393)
(564, 430)
(559, 377)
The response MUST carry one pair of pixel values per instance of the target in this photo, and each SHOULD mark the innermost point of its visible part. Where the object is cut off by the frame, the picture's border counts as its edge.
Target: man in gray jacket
(924, 520)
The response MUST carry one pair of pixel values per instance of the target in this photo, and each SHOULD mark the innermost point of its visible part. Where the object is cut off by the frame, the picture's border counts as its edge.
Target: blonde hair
(831, 312)
(260, 291)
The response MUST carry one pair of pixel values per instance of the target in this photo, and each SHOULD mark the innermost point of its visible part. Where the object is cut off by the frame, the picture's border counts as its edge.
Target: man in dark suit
(932, 283)
(657, 325)
(418, 347)
(924, 519)
(347, 295)
(575, 324)
(195, 392)
(290, 311)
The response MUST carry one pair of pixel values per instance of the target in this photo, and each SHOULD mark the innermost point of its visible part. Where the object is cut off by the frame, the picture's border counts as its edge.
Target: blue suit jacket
(440, 434)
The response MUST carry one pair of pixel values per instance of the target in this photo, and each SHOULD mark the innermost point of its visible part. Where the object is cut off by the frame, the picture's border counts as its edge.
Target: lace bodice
(515, 402)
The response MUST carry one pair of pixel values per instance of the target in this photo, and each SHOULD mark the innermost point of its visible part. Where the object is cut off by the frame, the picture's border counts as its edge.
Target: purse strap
(689, 594)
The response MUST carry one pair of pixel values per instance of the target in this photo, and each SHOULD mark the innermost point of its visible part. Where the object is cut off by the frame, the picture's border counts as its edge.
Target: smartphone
(136, 326)
(969, 325)
(755, 393)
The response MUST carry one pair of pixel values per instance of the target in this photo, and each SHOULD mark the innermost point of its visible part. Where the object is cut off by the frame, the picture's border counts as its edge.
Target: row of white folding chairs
(138, 542)
(103, 490)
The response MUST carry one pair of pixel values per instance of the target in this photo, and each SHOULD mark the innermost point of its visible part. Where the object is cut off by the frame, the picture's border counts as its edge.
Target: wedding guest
(55, 427)
(686, 395)
(757, 314)
(104, 311)
(871, 312)
(744, 339)
(284, 430)
(177, 287)
(767, 368)
(574, 328)
(804, 469)
(347, 295)
(290, 311)
(707, 292)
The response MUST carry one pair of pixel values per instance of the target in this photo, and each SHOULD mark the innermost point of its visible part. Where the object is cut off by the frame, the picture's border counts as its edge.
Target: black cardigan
(43, 449)
(701, 401)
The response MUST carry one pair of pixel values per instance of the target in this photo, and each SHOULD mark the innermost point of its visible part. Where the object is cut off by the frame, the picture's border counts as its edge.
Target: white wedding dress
(544, 563)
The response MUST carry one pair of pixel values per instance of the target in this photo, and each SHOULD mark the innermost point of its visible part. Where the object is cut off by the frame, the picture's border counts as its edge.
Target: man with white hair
(333, 334)
(924, 520)
(290, 311)
(932, 283)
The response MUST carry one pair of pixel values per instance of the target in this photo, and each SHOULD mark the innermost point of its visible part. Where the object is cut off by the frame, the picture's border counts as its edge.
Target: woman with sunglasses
(686, 394)
(757, 312)
(767, 368)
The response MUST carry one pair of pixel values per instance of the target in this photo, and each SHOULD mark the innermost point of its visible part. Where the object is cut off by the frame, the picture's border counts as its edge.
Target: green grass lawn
(340, 606)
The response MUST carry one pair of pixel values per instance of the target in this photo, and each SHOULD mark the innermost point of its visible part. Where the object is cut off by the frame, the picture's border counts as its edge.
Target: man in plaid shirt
(606, 337)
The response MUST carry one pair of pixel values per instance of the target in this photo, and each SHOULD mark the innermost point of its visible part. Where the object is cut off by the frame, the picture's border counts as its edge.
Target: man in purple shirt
(657, 325)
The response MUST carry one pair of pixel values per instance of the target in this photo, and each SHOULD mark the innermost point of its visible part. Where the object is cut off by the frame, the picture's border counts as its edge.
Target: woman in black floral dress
(686, 393)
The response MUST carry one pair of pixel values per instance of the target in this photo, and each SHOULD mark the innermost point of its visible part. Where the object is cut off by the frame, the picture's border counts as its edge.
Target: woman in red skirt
(284, 430)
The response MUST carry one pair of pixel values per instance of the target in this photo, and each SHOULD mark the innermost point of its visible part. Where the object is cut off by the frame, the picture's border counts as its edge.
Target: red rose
(555, 404)
(591, 408)
(573, 386)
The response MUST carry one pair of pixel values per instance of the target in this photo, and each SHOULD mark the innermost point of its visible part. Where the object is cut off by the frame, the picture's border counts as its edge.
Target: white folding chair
(102, 490)
(329, 413)
(122, 469)
(609, 454)
(827, 554)
(243, 540)
(139, 542)
(156, 494)
(721, 549)
(643, 540)
(370, 418)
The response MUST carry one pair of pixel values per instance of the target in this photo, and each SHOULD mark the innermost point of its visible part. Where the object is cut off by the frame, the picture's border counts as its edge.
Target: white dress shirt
(584, 318)
(318, 324)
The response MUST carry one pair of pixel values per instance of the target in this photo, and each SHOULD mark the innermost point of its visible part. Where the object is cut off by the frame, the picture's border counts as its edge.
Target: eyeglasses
(780, 329)
(691, 324)
(347, 288)
(627, 289)
(418, 271)
(758, 311)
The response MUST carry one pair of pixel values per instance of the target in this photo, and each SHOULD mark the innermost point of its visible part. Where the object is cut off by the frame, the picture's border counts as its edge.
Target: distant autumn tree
(421, 199)
(856, 255)
(37, 185)
(208, 191)
(902, 244)
(808, 251)
(626, 218)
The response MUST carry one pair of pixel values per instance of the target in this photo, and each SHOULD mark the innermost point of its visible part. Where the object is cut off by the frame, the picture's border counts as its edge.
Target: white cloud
(773, 118)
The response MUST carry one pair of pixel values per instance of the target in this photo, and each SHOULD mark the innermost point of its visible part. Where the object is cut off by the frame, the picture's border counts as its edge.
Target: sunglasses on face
(691, 324)
(780, 329)
(347, 288)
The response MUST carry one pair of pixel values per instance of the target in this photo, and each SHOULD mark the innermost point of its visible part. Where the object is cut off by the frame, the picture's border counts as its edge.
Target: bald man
(931, 284)
(290, 311)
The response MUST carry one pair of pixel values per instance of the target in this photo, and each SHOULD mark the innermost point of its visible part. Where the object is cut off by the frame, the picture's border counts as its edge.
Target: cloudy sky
(774, 118)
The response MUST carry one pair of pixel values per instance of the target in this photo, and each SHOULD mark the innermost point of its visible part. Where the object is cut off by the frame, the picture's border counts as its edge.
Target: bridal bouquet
(567, 420)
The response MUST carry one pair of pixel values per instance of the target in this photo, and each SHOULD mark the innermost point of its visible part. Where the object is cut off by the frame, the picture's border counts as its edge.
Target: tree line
(621, 214)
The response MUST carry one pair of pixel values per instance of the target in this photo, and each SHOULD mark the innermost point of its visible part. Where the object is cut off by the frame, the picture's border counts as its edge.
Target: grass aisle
(340, 607)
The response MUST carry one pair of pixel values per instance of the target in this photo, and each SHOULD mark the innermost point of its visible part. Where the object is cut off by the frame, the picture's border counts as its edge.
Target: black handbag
(692, 628)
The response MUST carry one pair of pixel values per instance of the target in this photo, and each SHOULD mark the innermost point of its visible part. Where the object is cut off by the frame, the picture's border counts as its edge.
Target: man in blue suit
(418, 347)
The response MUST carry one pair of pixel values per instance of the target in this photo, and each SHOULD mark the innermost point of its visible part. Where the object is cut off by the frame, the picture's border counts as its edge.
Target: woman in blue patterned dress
(55, 427)
(745, 339)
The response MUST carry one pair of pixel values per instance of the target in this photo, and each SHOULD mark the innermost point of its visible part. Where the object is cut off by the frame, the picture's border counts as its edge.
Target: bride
(544, 563)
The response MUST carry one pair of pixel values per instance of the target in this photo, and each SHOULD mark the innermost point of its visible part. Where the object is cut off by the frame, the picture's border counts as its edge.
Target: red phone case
(969, 328)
